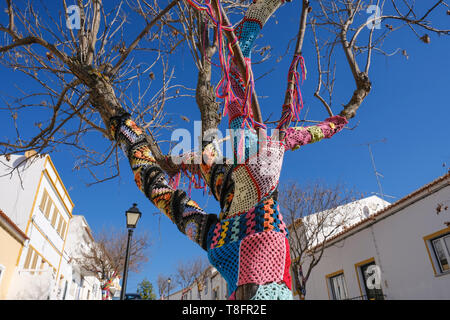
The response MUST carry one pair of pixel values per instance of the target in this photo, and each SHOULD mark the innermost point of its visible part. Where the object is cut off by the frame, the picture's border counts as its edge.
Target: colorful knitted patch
(264, 217)
(299, 136)
(273, 291)
(251, 247)
(262, 258)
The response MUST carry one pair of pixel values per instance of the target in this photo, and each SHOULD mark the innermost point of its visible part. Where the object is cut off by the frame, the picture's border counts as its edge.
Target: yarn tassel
(292, 110)
(174, 181)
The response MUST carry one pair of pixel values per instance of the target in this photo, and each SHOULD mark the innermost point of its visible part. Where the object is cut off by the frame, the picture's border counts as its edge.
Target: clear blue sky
(408, 106)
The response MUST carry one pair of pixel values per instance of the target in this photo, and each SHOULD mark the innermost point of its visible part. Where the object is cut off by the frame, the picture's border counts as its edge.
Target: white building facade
(383, 251)
(36, 200)
(80, 284)
(210, 286)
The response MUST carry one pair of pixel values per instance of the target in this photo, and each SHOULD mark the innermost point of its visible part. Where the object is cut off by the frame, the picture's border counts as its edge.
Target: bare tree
(77, 69)
(90, 72)
(342, 25)
(163, 285)
(105, 258)
(88, 78)
(315, 212)
(190, 272)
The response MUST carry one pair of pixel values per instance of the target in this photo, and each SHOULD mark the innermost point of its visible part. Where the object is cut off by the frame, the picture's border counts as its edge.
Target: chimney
(30, 153)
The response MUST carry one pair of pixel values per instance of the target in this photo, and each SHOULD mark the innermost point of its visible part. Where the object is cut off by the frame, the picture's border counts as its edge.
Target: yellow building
(12, 239)
(35, 199)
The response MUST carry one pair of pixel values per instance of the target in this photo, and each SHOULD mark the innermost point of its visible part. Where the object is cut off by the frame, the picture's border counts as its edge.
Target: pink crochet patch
(296, 137)
(299, 136)
(287, 274)
(263, 258)
(234, 110)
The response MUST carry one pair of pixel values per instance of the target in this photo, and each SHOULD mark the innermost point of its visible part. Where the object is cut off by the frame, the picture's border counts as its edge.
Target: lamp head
(133, 215)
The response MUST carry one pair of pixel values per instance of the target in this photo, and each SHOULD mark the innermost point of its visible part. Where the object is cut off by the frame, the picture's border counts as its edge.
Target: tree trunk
(363, 87)
(205, 95)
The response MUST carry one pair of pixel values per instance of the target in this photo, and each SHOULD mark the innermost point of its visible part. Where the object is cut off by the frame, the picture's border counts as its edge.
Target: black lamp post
(133, 214)
(168, 288)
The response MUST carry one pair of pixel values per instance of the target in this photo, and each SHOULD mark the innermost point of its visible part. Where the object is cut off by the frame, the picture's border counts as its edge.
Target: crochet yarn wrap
(150, 179)
(248, 242)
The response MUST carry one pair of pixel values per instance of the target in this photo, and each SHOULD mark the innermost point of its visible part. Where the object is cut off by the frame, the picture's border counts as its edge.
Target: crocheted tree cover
(184, 212)
(248, 244)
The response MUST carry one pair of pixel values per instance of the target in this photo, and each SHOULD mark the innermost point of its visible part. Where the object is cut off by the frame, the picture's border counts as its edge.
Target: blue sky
(408, 106)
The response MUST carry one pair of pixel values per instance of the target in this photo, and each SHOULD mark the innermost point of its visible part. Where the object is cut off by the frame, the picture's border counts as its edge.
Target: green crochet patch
(316, 134)
(273, 291)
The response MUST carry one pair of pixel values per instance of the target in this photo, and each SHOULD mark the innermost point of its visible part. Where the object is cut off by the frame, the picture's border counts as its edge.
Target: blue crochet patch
(226, 260)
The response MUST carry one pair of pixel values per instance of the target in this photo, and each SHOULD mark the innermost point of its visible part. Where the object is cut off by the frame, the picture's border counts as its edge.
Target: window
(43, 201)
(31, 259)
(215, 293)
(94, 290)
(441, 248)
(368, 271)
(54, 217)
(65, 290)
(34, 263)
(26, 265)
(77, 295)
(63, 228)
(337, 287)
(438, 248)
(43, 265)
(60, 220)
(72, 288)
(48, 207)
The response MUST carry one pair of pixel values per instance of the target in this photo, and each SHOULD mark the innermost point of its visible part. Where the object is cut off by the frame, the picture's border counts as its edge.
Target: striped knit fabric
(150, 179)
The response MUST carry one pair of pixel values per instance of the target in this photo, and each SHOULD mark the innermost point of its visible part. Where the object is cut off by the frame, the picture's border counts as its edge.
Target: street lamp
(133, 214)
(168, 288)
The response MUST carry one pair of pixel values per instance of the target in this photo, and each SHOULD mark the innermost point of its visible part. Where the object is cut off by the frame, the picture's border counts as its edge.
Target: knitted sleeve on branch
(150, 179)
(299, 136)
(246, 32)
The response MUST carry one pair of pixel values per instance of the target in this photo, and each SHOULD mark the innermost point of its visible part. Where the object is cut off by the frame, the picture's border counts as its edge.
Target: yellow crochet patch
(131, 124)
(223, 234)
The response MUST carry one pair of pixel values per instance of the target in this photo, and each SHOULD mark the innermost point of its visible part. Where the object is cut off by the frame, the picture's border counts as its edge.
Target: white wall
(18, 189)
(20, 198)
(214, 281)
(78, 235)
(399, 250)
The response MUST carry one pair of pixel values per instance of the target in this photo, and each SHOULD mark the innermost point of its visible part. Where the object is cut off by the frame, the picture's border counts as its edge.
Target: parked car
(132, 296)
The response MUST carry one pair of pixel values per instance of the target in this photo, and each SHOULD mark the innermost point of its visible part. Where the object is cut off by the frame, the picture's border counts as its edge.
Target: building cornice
(12, 228)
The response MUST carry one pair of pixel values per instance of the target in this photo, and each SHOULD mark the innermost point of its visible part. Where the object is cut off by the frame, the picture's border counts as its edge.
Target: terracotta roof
(390, 207)
(13, 225)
